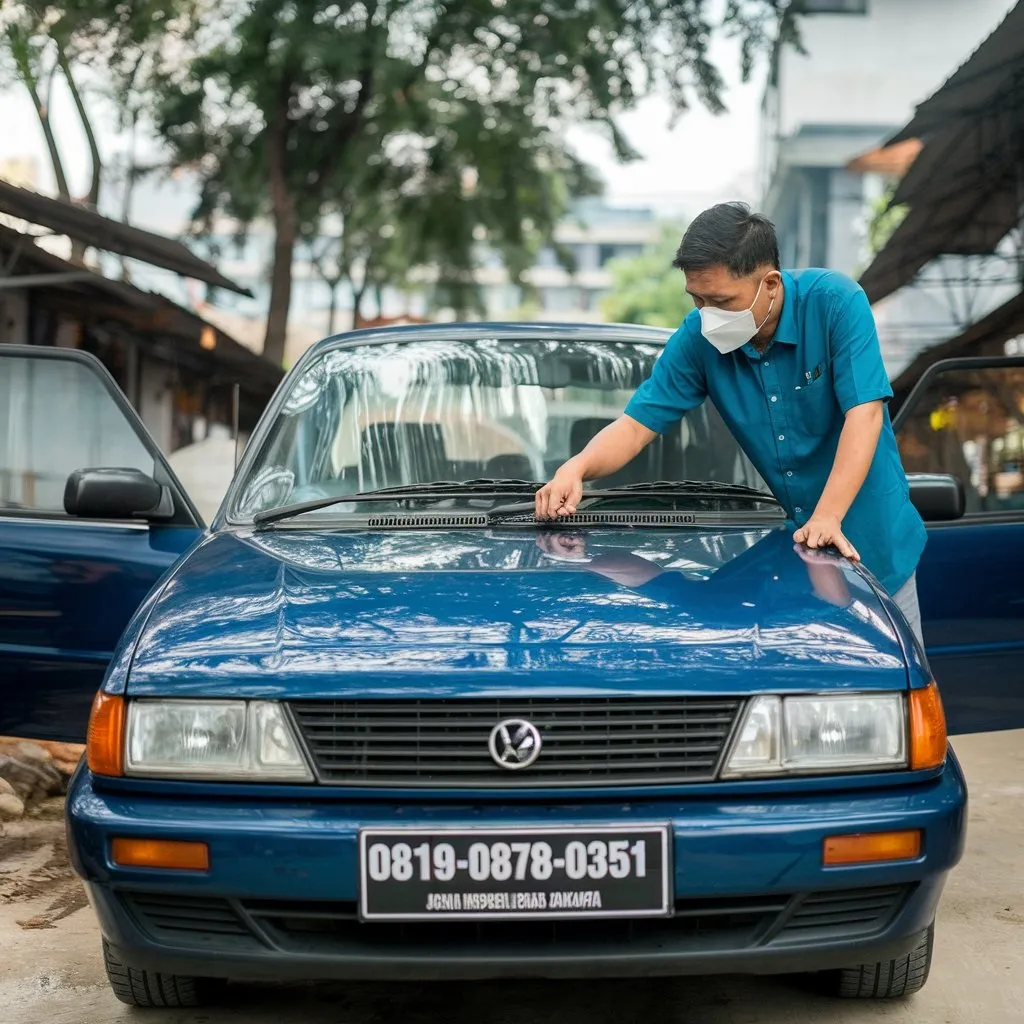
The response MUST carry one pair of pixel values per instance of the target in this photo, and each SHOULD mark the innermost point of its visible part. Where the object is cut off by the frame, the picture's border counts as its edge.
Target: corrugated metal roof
(963, 188)
(968, 90)
(84, 225)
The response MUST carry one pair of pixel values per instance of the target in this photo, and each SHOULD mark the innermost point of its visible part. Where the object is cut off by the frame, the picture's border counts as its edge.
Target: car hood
(290, 613)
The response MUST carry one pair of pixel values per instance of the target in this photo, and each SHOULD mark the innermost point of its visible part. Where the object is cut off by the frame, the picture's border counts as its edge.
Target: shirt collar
(786, 331)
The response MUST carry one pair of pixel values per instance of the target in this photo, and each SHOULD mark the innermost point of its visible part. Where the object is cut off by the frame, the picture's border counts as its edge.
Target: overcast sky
(702, 160)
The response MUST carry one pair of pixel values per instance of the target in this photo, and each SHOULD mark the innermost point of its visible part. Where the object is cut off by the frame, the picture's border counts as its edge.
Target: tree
(282, 97)
(117, 44)
(647, 289)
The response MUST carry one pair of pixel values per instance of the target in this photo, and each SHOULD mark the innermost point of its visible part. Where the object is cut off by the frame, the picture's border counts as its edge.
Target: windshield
(391, 415)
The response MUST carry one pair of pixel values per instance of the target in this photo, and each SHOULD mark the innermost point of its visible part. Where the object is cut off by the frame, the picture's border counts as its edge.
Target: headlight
(228, 740)
(781, 735)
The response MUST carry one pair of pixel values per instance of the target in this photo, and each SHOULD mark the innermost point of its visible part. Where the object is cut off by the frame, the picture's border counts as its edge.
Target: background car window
(971, 423)
(57, 416)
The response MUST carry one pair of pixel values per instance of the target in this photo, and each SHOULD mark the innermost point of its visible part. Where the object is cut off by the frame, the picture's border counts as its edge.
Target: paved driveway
(51, 973)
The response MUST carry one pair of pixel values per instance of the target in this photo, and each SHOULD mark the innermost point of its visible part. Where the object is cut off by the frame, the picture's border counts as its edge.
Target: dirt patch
(34, 865)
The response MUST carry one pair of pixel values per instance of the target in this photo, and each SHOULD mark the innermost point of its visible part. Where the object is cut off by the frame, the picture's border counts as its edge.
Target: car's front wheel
(890, 979)
(137, 987)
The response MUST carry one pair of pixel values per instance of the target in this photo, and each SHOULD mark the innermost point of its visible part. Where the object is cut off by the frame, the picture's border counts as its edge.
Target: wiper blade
(445, 488)
(485, 485)
(690, 487)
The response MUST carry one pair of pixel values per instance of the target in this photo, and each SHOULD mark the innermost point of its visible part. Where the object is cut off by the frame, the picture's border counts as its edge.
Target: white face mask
(728, 329)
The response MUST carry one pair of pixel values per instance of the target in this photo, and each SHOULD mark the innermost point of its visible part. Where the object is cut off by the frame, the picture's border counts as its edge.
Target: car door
(966, 417)
(69, 584)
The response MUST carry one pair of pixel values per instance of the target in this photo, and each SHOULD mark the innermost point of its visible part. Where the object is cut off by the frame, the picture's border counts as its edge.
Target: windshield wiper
(655, 489)
(688, 487)
(445, 488)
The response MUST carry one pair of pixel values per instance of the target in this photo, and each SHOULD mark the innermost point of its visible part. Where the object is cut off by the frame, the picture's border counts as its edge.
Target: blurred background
(198, 190)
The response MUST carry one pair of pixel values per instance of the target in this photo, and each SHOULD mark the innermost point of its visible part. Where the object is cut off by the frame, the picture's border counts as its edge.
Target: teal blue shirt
(786, 408)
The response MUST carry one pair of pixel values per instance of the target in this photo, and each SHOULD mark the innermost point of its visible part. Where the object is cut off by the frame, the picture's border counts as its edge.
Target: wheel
(151, 988)
(891, 979)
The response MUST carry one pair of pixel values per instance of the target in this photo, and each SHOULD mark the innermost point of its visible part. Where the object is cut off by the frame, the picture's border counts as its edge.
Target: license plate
(495, 874)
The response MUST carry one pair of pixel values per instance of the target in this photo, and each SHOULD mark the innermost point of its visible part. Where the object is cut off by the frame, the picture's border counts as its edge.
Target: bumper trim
(763, 942)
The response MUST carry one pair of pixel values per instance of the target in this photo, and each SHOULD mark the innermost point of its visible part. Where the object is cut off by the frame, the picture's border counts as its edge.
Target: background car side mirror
(116, 494)
(939, 497)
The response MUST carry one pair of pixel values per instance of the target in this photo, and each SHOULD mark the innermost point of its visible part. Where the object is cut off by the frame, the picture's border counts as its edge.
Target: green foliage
(285, 107)
(883, 220)
(647, 289)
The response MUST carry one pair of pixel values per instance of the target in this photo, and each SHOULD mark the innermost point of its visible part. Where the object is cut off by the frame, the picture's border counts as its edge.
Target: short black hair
(729, 235)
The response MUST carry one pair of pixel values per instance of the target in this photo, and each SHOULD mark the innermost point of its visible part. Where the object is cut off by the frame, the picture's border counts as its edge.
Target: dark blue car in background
(377, 722)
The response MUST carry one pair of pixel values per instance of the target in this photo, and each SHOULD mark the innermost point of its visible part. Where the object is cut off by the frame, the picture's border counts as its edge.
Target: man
(792, 361)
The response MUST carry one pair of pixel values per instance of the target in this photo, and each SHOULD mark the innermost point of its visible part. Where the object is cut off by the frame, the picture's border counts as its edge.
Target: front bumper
(751, 895)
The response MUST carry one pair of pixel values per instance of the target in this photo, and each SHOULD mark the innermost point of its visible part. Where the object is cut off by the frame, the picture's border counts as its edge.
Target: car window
(970, 422)
(56, 416)
(364, 417)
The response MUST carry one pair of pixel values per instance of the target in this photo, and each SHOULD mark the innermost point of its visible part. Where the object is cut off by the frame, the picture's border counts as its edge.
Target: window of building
(970, 423)
(834, 7)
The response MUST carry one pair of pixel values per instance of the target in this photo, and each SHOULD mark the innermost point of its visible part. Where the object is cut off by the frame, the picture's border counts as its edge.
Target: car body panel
(971, 589)
(69, 586)
(295, 614)
(67, 590)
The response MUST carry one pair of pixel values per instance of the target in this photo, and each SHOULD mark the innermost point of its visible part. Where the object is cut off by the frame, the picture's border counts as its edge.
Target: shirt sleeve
(858, 372)
(676, 385)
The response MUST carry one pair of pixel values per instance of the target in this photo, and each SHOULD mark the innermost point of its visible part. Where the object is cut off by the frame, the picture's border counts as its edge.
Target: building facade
(866, 64)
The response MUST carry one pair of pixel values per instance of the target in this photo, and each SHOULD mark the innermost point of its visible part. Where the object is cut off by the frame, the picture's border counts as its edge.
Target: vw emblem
(514, 743)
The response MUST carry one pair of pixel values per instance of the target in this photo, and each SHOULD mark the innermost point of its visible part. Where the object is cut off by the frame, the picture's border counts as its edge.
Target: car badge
(514, 744)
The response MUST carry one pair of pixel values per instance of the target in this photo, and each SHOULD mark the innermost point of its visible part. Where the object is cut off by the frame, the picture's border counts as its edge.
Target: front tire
(150, 989)
(890, 979)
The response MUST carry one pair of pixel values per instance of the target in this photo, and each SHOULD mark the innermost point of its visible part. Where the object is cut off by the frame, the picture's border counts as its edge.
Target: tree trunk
(90, 136)
(357, 301)
(332, 310)
(285, 233)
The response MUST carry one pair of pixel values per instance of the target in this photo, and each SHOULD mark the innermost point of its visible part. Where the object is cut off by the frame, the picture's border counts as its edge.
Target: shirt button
(798, 509)
(775, 398)
(782, 437)
(789, 472)
(766, 363)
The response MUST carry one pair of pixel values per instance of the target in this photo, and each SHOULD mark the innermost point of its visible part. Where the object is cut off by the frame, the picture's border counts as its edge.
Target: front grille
(585, 742)
(326, 928)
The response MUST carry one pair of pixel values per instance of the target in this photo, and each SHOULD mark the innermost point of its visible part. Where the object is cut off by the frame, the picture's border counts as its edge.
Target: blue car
(376, 721)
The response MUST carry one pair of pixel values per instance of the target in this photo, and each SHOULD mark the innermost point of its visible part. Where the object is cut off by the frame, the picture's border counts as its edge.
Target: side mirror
(116, 494)
(939, 497)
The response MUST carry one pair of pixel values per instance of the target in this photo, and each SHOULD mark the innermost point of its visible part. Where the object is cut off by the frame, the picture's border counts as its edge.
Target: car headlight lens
(227, 740)
(843, 733)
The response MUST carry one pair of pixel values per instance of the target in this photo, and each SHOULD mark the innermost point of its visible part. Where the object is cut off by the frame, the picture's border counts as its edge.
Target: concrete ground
(51, 970)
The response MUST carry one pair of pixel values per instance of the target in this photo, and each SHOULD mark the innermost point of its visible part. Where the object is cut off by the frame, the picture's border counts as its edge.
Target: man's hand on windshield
(562, 495)
(821, 531)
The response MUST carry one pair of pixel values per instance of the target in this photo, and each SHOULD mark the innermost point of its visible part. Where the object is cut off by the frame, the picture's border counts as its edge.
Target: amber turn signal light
(872, 847)
(160, 853)
(927, 728)
(104, 742)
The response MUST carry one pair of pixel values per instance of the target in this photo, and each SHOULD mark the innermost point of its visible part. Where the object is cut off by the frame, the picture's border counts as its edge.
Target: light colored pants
(906, 601)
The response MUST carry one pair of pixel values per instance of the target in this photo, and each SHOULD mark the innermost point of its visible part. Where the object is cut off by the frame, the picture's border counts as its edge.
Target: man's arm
(675, 386)
(608, 451)
(857, 443)
(862, 388)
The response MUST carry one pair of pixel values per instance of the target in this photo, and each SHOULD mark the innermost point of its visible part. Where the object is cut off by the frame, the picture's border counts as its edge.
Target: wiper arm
(445, 488)
(690, 487)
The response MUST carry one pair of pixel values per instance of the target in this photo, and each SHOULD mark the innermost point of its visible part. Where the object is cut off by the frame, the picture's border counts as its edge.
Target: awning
(968, 91)
(986, 337)
(161, 323)
(101, 232)
(964, 187)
